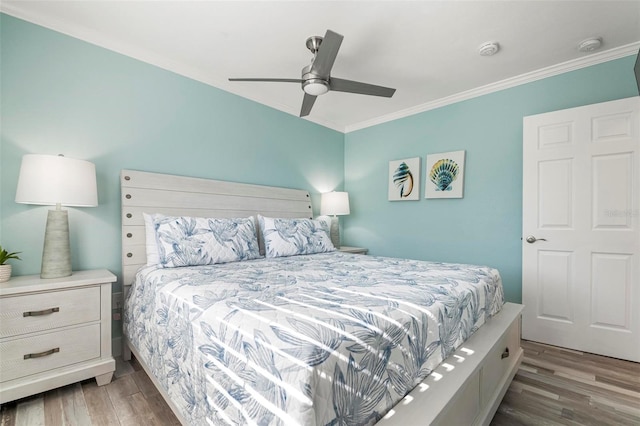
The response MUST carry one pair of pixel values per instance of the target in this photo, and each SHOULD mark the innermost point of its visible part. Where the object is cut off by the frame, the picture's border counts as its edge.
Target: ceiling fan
(316, 77)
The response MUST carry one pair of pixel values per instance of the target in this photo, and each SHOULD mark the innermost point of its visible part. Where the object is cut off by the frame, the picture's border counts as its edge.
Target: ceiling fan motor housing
(313, 43)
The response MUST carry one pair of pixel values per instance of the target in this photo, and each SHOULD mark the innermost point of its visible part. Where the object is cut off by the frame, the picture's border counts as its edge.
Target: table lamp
(336, 204)
(60, 181)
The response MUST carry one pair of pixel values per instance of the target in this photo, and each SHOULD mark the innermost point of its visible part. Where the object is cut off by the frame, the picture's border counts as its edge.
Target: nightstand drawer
(29, 313)
(31, 355)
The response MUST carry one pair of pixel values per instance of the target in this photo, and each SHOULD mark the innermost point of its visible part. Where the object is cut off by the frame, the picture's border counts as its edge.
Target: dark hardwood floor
(554, 386)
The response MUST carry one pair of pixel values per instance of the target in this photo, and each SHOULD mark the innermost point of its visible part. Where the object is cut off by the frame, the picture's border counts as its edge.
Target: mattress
(323, 339)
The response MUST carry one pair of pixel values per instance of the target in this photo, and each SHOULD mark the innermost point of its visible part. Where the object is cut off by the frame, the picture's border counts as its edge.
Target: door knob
(531, 239)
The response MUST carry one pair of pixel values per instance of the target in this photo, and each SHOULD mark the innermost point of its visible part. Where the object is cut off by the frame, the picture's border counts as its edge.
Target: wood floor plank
(529, 411)
(99, 405)
(600, 388)
(120, 393)
(623, 416)
(145, 412)
(162, 410)
(598, 369)
(30, 411)
(74, 407)
(629, 382)
(552, 384)
(8, 414)
(572, 371)
(122, 387)
(520, 386)
(617, 405)
(53, 408)
(144, 383)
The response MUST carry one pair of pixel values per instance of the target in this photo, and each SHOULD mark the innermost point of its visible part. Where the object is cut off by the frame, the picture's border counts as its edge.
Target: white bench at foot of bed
(467, 388)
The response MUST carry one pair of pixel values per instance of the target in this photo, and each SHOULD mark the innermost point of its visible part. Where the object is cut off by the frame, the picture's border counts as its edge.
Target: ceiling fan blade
(326, 55)
(274, 80)
(341, 85)
(307, 104)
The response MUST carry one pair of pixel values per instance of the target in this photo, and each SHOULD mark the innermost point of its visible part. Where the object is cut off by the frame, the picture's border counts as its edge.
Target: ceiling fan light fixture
(315, 87)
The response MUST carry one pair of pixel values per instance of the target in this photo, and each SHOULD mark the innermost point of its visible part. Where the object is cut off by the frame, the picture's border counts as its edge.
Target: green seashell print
(403, 179)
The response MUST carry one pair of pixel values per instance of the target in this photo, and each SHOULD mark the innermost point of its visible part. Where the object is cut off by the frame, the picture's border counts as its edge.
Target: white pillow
(190, 241)
(150, 239)
(290, 237)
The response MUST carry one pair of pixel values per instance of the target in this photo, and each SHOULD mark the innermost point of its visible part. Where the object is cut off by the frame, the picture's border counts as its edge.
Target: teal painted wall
(484, 227)
(62, 95)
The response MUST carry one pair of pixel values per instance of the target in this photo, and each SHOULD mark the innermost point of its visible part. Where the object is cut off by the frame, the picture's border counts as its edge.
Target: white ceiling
(427, 50)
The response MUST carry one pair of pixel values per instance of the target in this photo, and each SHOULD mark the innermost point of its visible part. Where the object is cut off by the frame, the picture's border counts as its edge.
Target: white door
(581, 228)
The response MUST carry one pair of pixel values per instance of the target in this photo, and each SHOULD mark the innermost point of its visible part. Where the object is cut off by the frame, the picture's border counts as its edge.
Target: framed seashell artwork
(445, 175)
(404, 179)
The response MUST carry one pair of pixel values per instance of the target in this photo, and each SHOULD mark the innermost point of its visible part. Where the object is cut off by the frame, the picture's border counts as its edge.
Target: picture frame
(445, 175)
(404, 179)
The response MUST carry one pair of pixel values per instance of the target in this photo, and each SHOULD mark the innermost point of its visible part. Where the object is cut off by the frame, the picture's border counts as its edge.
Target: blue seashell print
(403, 179)
(443, 173)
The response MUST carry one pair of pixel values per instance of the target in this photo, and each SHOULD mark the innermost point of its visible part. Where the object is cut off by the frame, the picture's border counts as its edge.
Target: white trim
(572, 65)
(90, 36)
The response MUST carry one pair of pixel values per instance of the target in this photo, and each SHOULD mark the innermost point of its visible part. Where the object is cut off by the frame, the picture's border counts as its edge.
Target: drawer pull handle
(505, 354)
(42, 312)
(41, 354)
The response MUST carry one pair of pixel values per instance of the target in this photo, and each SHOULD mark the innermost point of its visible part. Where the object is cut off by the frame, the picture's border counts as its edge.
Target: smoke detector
(489, 48)
(590, 44)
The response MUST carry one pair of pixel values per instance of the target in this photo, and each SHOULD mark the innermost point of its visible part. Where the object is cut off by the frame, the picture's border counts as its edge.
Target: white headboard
(144, 192)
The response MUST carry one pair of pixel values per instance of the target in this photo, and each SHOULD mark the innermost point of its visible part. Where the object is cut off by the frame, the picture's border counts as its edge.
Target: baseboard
(116, 346)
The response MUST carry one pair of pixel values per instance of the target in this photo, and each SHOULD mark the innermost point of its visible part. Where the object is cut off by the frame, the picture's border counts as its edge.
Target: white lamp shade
(54, 179)
(335, 203)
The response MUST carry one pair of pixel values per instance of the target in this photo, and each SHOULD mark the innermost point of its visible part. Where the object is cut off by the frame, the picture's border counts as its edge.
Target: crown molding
(561, 68)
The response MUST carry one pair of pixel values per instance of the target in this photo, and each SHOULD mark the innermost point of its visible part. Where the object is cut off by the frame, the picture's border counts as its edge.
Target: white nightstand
(55, 332)
(355, 250)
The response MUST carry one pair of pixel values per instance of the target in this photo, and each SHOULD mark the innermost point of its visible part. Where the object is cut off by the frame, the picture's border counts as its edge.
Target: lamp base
(334, 231)
(56, 254)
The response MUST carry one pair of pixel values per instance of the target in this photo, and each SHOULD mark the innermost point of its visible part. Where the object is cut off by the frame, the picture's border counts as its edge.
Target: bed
(320, 338)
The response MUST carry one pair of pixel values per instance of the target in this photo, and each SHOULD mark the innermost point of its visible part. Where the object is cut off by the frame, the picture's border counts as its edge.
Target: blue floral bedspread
(323, 339)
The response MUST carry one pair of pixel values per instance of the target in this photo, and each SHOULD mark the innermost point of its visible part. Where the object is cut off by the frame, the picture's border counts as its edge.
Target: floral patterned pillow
(190, 241)
(290, 237)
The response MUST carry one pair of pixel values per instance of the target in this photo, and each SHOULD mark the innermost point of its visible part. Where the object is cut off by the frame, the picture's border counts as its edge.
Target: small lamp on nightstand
(336, 204)
(60, 181)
